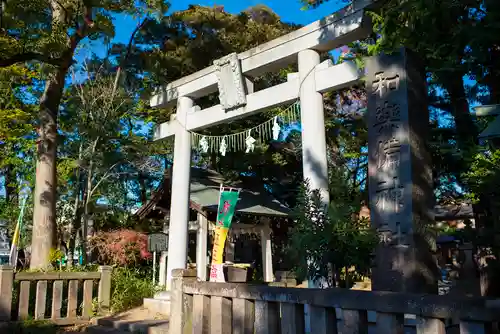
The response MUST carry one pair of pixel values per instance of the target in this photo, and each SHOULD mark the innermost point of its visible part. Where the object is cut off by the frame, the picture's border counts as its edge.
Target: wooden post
(180, 306)
(267, 255)
(201, 247)
(104, 294)
(6, 284)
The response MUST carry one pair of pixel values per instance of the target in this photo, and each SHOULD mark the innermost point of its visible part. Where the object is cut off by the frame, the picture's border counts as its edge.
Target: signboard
(157, 242)
(225, 212)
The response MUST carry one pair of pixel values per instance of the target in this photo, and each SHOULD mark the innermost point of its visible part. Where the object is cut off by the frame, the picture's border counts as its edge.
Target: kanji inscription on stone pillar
(400, 175)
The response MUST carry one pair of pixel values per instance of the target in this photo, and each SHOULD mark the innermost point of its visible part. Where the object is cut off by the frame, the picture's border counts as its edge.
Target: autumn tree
(103, 146)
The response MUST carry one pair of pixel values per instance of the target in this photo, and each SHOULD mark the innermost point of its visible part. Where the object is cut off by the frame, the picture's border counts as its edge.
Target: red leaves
(121, 247)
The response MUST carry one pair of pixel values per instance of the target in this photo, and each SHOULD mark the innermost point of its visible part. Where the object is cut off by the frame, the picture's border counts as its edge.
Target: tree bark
(492, 78)
(86, 205)
(10, 185)
(44, 198)
(44, 212)
(142, 184)
(465, 126)
(76, 221)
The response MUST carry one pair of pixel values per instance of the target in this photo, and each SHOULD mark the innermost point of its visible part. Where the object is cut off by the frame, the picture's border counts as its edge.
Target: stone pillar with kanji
(400, 174)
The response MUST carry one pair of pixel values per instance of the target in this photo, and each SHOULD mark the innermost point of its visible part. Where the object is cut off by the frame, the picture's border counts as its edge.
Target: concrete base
(160, 304)
(163, 295)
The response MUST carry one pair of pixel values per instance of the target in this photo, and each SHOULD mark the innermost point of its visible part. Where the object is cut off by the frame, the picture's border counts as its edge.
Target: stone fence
(54, 296)
(204, 307)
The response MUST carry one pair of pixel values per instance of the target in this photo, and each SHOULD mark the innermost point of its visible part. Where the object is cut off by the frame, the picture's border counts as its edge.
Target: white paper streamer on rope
(247, 139)
(276, 129)
(204, 144)
(223, 147)
(250, 142)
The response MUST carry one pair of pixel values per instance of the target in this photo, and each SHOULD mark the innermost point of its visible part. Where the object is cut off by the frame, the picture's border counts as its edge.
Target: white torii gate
(232, 77)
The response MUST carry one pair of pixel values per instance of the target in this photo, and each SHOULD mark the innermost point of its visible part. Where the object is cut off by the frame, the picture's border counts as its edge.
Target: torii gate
(232, 77)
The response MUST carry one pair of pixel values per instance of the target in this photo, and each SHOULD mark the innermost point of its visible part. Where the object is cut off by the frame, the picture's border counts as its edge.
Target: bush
(30, 327)
(323, 245)
(120, 248)
(130, 287)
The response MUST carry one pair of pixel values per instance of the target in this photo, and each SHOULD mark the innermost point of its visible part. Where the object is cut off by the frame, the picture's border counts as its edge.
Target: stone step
(139, 320)
(145, 326)
(103, 330)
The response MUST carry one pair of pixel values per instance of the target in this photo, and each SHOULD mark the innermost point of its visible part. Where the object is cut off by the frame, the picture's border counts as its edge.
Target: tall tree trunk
(44, 212)
(11, 192)
(492, 79)
(86, 203)
(465, 126)
(44, 198)
(76, 219)
(142, 184)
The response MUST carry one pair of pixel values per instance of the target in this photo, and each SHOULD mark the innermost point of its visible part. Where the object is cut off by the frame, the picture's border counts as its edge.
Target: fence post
(6, 285)
(104, 294)
(180, 305)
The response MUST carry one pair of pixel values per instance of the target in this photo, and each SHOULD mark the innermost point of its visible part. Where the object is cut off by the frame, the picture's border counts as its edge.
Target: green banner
(227, 204)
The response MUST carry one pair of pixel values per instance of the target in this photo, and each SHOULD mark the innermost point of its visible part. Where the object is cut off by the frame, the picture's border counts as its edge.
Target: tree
(103, 149)
(16, 135)
(323, 243)
(49, 32)
(190, 40)
(317, 3)
(456, 40)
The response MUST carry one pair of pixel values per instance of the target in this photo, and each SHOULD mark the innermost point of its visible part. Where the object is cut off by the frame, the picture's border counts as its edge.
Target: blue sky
(288, 10)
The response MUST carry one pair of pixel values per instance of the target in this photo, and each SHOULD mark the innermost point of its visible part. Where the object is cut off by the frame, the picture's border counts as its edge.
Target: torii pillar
(179, 204)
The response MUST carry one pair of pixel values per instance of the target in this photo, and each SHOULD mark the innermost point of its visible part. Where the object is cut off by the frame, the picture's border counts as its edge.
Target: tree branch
(127, 55)
(29, 56)
(106, 175)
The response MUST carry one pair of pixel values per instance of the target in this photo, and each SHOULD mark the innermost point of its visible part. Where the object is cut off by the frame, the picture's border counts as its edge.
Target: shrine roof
(453, 212)
(204, 195)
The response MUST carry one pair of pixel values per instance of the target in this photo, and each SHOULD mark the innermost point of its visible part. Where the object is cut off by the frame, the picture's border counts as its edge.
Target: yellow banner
(219, 242)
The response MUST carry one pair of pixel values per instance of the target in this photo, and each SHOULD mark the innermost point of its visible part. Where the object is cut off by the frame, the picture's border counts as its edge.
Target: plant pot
(235, 275)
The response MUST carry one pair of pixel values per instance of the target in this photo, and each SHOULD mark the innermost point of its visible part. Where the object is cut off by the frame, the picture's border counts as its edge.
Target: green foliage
(322, 243)
(49, 31)
(130, 287)
(483, 178)
(190, 40)
(47, 34)
(483, 185)
(31, 327)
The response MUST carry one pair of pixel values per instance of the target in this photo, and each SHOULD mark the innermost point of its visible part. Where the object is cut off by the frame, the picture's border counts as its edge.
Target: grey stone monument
(399, 174)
